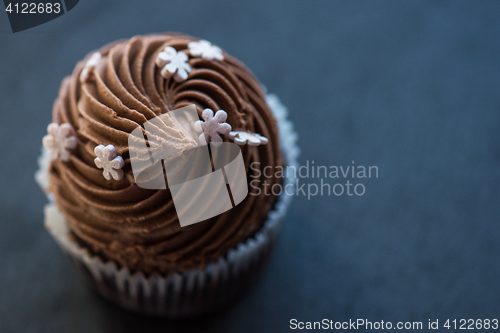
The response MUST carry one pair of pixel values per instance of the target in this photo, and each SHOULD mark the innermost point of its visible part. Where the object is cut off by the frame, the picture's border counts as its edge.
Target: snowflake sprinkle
(89, 67)
(173, 63)
(60, 140)
(205, 49)
(108, 161)
(212, 127)
(253, 139)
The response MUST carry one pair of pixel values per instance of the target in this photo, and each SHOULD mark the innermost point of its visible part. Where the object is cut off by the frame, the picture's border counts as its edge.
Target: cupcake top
(123, 86)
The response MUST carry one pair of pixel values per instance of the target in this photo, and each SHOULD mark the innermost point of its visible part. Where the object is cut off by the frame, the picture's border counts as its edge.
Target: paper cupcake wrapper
(187, 292)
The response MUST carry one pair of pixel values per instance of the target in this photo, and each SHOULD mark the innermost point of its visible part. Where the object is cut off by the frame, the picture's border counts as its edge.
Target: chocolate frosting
(135, 227)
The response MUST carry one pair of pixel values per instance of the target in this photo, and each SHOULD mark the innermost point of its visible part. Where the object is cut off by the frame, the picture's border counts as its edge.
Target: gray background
(411, 87)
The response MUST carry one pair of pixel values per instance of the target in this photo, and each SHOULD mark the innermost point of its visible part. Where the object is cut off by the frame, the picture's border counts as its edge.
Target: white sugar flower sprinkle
(173, 63)
(108, 161)
(212, 127)
(88, 69)
(205, 49)
(60, 140)
(253, 139)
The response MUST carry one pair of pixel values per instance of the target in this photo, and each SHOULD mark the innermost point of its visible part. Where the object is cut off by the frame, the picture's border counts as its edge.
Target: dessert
(119, 231)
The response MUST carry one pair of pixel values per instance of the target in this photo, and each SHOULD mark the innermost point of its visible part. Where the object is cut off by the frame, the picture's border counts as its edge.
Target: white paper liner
(180, 288)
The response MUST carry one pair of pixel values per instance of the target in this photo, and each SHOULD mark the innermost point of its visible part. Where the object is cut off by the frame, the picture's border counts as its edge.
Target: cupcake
(158, 165)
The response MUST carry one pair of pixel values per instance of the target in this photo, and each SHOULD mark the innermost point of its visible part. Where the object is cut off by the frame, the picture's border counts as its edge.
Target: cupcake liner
(187, 292)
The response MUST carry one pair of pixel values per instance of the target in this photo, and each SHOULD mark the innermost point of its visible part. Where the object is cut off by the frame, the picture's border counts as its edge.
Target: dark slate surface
(411, 87)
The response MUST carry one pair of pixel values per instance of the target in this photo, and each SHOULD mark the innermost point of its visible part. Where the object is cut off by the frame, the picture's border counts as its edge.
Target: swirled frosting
(120, 221)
